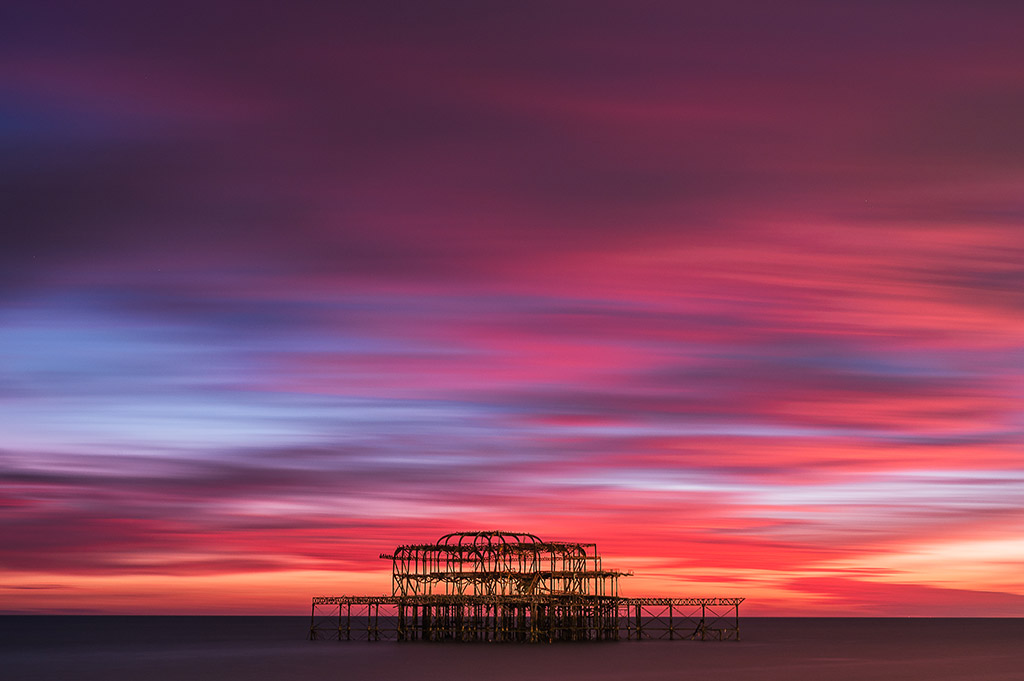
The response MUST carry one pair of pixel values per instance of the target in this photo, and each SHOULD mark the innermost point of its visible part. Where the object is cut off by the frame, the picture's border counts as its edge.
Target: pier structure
(513, 587)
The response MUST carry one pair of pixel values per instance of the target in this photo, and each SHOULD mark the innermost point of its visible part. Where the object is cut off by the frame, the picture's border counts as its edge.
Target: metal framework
(514, 587)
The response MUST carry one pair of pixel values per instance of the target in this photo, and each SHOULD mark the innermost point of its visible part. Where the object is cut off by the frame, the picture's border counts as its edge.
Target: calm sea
(260, 648)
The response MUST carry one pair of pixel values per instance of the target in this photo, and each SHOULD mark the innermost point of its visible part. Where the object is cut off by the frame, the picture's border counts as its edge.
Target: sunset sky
(734, 290)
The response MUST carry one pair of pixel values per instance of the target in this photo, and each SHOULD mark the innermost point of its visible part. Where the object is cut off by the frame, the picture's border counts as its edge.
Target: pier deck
(525, 620)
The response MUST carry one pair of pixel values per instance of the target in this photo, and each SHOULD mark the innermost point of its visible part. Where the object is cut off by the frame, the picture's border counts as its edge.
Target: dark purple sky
(735, 290)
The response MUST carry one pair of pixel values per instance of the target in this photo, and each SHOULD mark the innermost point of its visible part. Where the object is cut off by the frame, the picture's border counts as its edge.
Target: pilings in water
(512, 620)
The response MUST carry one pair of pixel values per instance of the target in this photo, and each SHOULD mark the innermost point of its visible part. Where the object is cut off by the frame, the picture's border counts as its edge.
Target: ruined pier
(513, 587)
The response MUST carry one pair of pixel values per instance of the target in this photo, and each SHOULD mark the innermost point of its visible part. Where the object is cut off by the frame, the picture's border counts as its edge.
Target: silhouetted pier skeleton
(500, 586)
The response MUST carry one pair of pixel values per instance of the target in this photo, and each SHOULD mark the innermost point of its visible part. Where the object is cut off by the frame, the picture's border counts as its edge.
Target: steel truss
(513, 587)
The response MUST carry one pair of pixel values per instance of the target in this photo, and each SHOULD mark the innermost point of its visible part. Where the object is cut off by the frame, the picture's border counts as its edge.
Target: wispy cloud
(734, 291)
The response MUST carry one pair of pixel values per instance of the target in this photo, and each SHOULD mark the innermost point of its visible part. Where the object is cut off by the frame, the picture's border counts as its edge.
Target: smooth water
(258, 648)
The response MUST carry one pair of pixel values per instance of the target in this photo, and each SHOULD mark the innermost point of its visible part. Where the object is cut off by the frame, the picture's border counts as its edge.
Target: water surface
(257, 648)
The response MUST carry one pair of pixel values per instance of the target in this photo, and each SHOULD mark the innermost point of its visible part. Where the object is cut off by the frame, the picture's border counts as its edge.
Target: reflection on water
(255, 648)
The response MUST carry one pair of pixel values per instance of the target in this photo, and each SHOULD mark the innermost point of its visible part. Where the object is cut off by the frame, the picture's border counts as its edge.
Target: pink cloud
(737, 301)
